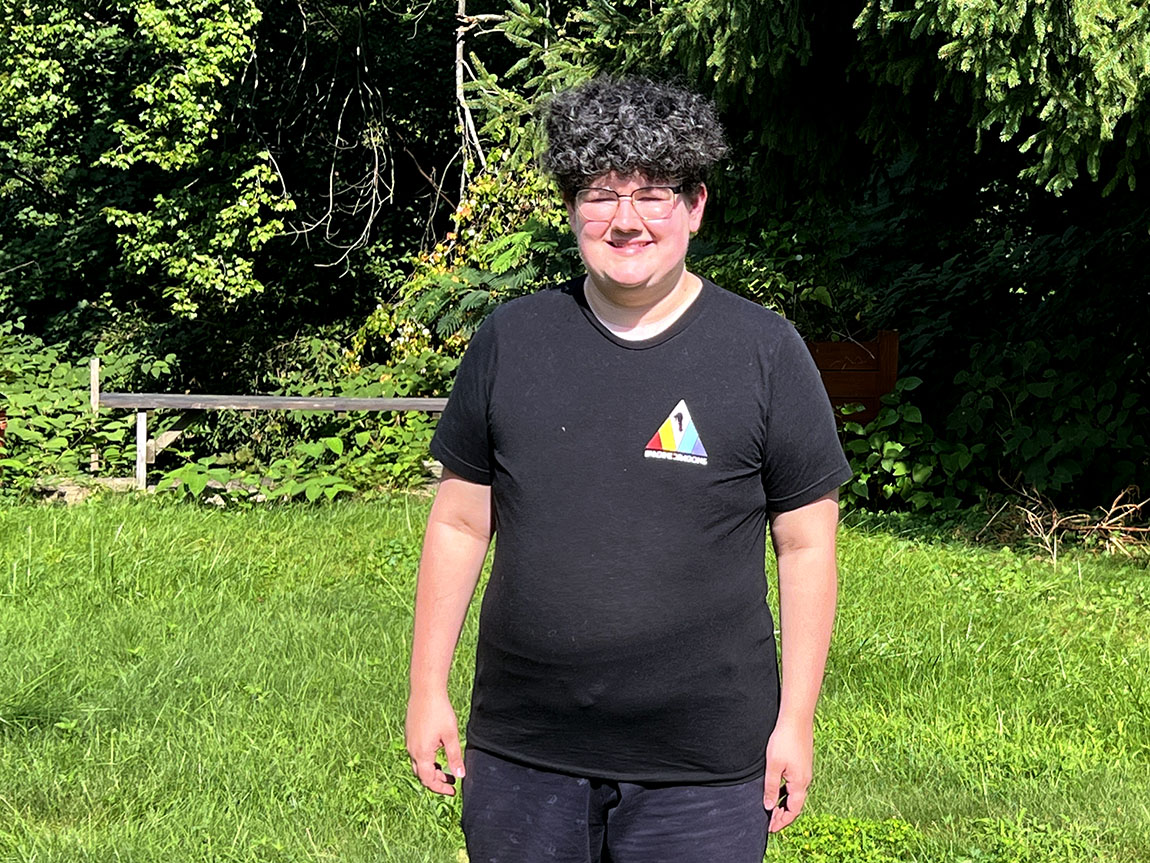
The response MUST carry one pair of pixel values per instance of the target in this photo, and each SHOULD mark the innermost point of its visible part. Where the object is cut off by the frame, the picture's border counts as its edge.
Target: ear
(570, 205)
(695, 213)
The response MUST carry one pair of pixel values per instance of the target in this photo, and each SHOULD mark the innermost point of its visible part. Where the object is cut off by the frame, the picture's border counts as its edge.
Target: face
(627, 256)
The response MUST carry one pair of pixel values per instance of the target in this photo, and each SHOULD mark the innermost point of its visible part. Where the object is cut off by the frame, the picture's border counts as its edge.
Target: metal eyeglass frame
(675, 190)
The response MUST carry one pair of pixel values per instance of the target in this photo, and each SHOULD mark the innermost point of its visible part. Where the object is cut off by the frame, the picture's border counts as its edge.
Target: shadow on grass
(985, 528)
(965, 527)
(17, 719)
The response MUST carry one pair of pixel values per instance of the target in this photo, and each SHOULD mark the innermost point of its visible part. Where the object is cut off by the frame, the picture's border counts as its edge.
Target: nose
(626, 216)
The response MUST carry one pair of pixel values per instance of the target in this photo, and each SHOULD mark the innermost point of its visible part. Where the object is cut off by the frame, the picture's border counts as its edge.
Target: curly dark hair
(630, 126)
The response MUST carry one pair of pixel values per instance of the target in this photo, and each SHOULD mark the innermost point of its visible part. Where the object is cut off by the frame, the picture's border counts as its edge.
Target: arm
(458, 533)
(804, 541)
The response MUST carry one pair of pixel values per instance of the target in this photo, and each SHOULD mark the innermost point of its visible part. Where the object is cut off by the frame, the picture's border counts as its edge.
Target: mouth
(629, 246)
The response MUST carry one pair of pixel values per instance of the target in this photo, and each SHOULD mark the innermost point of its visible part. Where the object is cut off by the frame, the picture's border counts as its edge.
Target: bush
(51, 428)
(898, 460)
(1030, 337)
(238, 456)
(1058, 424)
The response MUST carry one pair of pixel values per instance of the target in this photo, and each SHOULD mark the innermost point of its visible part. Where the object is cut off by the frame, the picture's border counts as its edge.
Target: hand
(431, 726)
(790, 760)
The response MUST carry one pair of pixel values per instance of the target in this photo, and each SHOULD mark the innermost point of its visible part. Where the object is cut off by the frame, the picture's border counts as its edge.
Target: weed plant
(184, 684)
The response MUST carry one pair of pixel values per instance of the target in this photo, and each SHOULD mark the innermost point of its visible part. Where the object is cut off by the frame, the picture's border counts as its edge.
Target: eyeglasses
(651, 203)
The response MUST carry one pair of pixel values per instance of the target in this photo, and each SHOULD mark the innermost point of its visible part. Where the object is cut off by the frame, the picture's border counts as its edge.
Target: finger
(454, 757)
(789, 808)
(771, 784)
(441, 773)
(432, 778)
(796, 799)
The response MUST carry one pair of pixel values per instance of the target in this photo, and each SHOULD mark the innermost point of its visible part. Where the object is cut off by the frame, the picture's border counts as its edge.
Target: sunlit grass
(186, 684)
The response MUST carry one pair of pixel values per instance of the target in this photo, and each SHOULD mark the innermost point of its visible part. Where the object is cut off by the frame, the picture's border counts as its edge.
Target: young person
(629, 435)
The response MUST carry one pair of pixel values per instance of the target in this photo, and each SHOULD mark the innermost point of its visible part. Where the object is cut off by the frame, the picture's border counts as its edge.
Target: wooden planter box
(858, 372)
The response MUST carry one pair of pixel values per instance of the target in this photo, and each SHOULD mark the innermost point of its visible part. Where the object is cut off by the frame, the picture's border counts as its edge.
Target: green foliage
(97, 111)
(734, 43)
(242, 458)
(778, 268)
(350, 462)
(238, 457)
(198, 246)
(1029, 341)
(897, 459)
(318, 365)
(51, 429)
(510, 239)
(172, 173)
(201, 46)
(197, 241)
(1068, 82)
(155, 158)
(1055, 420)
(831, 839)
(30, 96)
(552, 49)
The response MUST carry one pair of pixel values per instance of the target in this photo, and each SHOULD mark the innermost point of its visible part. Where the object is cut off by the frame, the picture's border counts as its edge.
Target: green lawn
(182, 684)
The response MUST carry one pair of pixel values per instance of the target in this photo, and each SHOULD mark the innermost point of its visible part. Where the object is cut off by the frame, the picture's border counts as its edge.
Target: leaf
(334, 444)
(314, 449)
(886, 417)
(197, 483)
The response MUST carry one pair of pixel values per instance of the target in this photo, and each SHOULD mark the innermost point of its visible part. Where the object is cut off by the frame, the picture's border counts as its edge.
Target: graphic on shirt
(677, 438)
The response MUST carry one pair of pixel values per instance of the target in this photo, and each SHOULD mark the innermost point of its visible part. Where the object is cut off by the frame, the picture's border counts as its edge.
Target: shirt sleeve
(462, 440)
(803, 459)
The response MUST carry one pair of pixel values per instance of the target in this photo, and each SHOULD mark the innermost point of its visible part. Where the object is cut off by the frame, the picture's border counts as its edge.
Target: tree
(181, 173)
(113, 119)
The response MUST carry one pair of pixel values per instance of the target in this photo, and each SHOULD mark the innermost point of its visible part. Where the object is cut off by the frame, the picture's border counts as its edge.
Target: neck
(638, 316)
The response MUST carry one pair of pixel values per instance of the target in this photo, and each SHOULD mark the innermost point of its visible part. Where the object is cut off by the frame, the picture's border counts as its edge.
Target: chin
(630, 280)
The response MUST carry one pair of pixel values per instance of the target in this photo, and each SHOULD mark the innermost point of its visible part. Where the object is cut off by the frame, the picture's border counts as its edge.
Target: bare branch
(471, 145)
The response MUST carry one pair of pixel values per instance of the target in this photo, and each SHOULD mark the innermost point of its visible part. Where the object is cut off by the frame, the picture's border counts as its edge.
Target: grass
(183, 684)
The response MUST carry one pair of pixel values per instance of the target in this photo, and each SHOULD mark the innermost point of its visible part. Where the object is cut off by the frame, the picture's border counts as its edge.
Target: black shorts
(518, 814)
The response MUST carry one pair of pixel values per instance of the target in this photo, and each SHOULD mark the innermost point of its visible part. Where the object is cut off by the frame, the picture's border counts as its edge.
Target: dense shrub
(898, 461)
(51, 428)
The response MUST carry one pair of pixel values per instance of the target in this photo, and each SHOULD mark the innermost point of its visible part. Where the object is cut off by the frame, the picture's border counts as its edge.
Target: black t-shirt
(624, 633)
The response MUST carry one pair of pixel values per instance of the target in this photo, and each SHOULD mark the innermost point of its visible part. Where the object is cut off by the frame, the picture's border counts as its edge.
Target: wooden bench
(858, 372)
(147, 448)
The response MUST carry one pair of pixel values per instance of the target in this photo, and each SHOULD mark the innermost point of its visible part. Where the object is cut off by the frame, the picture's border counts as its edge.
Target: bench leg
(142, 450)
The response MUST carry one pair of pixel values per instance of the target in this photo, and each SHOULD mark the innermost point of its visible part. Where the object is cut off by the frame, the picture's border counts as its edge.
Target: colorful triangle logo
(678, 434)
